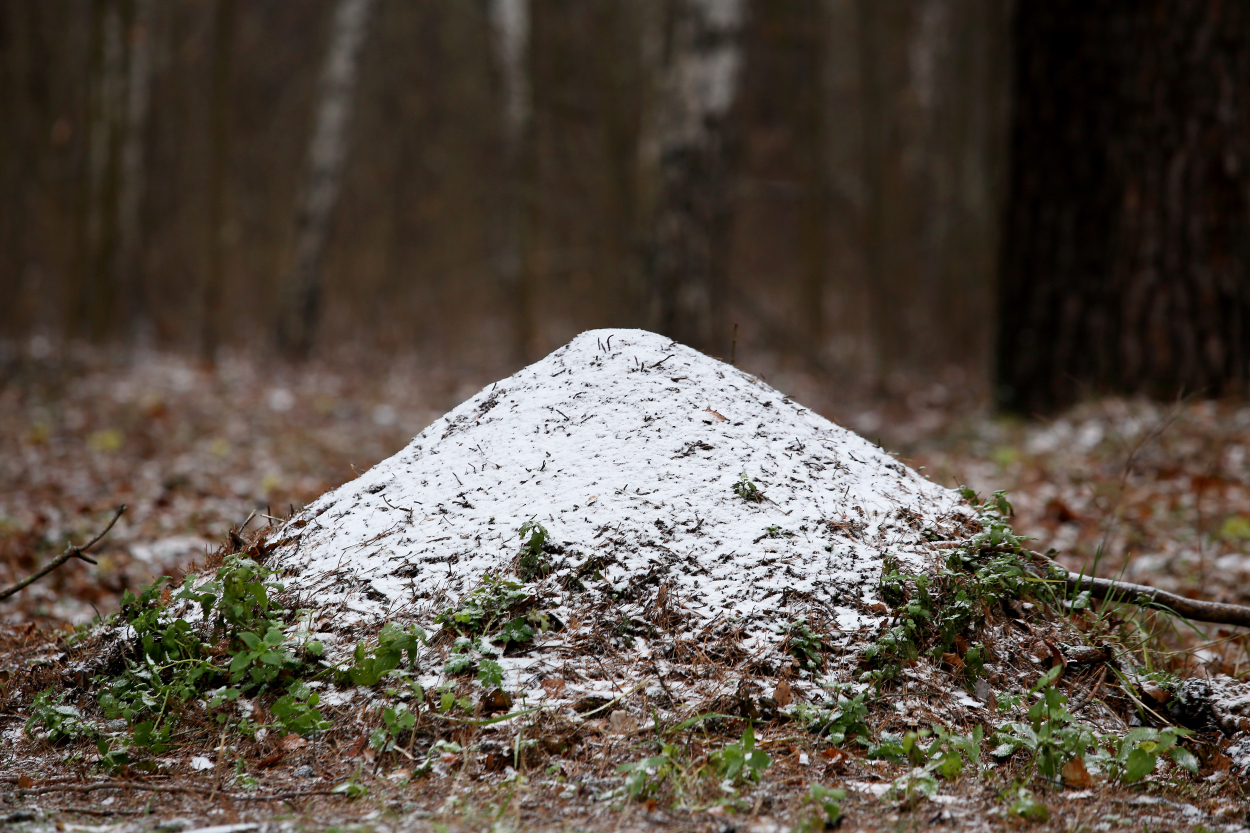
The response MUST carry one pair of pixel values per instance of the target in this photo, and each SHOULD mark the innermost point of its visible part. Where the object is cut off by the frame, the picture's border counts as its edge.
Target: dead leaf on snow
(292, 742)
(782, 694)
(1075, 774)
(622, 723)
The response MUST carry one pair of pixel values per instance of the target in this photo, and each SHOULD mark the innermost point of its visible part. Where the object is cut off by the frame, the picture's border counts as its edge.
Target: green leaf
(1184, 759)
(1140, 763)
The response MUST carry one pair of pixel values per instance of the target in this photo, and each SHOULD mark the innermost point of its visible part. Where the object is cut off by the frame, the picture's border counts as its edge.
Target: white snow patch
(625, 445)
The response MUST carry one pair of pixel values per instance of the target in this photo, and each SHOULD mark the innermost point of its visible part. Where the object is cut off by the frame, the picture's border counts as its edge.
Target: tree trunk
(691, 136)
(133, 169)
(98, 295)
(301, 303)
(510, 26)
(1126, 261)
(213, 289)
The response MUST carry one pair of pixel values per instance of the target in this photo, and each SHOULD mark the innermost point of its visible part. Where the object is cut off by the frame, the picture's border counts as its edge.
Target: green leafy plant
(802, 643)
(911, 787)
(933, 612)
(747, 490)
(837, 719)
(112, 760)
(1025, 805)
(518, 630)
(829, 800)
(369, 665)
(1051, 736)
(490, 673)
(741, 759)
(237, 598)
(533, 564)
(936, 751)
(396, 720)
(458, 664)
(56, 722)
(645, 777)
(261, 659)
(353, 787)
(1136, 754)
(448, 701)
(487, 607)
(296, 710)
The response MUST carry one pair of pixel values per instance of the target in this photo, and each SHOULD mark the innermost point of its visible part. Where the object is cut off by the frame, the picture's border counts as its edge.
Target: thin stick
(1146, 596)
(733, 347)
(71, 552)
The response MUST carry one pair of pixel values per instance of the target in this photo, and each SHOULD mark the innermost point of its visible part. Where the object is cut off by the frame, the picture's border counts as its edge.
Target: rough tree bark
(1126, 260)
(690, 141)
(301, 302)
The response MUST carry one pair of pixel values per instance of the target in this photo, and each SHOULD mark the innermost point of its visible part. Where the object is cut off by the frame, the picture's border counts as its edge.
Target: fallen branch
(71, 552)
(1146, 596)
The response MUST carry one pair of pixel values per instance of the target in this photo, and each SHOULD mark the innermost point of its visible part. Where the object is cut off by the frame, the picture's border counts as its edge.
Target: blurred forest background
(249, 248)
(501, 185)
(1053, 196)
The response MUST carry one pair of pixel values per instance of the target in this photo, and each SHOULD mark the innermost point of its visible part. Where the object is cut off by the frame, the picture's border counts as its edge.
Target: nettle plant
(747, 490)
(177, 663)
(933, 612)
(502, 610)
(1052, 737)
(533, 563)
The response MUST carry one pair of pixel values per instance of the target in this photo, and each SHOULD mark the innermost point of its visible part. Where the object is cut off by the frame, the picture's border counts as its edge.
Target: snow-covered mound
(628, 447)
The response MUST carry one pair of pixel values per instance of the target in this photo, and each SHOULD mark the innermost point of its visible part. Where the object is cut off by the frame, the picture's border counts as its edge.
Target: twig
(617, 700)
(1083, 697)
(71, 552)
(1146, 596)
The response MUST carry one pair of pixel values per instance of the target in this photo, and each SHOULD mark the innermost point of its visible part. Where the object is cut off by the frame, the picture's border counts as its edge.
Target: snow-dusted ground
(626, 445)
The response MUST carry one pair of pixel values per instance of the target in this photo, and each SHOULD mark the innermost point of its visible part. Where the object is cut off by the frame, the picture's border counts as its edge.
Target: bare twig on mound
(71, 552)
(1137, 594)
(1147, 596)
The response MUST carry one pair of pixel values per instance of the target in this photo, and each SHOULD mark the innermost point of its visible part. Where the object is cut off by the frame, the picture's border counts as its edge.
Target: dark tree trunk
(213, 290)
(1126, 260)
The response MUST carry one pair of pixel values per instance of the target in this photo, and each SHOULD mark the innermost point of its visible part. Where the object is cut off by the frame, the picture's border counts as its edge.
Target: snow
(625, 445)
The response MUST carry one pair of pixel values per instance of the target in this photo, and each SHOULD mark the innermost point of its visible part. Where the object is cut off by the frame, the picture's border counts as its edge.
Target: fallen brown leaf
(621, 722)
(1075, 774)
(782, 694)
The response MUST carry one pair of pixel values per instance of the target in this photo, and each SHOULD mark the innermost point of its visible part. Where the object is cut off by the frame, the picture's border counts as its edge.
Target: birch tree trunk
(510, 26)
(300, 308)
(698, 78)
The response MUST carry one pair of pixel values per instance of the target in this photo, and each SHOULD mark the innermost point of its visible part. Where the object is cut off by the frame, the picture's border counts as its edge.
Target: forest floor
(1155, 493)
